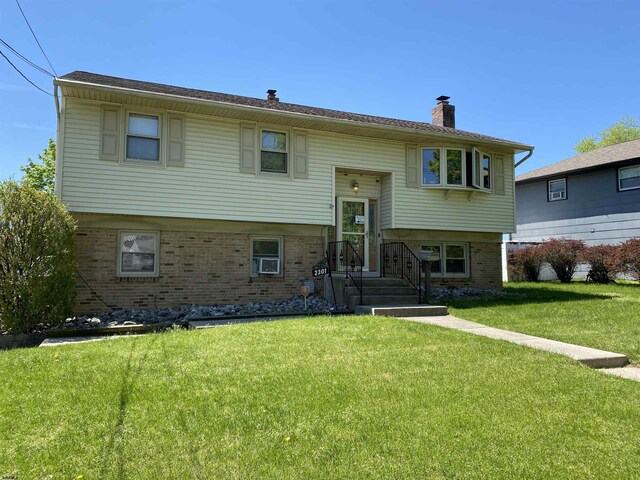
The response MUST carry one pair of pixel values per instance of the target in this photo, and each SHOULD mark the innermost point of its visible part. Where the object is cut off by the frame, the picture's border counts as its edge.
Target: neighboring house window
(454, 259)
(143, 137)
(273, 152)
(481, 170)
(266, 256)
(138, 254)
(443, 167)
(629, 177)
(557, 189)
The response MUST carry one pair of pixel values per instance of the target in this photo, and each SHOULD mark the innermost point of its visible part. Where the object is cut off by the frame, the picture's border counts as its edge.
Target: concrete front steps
(382, 291)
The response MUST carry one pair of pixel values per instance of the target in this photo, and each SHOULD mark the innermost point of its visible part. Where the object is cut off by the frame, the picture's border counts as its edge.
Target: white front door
(353, 225)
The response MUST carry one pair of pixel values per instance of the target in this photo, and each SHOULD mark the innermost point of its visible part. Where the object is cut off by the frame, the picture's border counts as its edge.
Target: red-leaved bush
(526, 263)
(562, 255)
(628, 258)
(603, 260)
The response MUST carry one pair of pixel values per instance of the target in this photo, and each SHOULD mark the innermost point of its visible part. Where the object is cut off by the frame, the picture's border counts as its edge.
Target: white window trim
(266, 128)
(161, 137)
(443, 168)
(476, 169)
(443, 259)
(156, 265)
(620, 189)
(280, 241)
(563, 195)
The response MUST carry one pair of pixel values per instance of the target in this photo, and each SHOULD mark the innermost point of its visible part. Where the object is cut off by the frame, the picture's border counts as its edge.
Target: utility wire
(36, 38)
(23, 75)
(26, 60)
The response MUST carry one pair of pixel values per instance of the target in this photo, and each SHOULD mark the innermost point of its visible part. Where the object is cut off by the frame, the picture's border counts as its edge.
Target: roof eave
(517, 147)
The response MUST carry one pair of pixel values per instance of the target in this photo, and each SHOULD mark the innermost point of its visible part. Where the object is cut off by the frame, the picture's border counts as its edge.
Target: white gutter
(294, 115)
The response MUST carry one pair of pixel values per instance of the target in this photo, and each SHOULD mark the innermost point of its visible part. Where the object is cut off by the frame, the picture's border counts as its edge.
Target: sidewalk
(609, 362)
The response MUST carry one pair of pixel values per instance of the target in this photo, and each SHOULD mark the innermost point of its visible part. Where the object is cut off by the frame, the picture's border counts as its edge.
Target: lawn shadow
(115, 444)
(527, 296)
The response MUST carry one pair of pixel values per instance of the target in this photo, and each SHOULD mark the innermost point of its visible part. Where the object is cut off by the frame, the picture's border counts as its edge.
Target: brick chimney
(271, 95)
(444, 115)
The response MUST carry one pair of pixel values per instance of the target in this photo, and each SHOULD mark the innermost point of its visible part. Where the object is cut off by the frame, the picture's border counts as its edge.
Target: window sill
(470, 191)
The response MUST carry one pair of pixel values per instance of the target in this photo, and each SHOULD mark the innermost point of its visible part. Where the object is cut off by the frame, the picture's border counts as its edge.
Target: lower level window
(138, 254)
(266, 256)
(453, 261)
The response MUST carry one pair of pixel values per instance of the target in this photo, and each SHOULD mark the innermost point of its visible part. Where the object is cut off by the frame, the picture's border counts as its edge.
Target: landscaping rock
(188, 312)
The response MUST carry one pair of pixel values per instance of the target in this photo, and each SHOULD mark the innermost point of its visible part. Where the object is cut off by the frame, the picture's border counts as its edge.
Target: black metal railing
(343, 258)
(399, 261)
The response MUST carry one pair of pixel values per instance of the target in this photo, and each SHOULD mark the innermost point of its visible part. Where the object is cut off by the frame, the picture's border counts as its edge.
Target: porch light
(355, 187)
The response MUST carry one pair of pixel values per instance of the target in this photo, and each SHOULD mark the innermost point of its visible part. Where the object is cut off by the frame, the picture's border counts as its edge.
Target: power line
(36, 38)
(23, 75)
(26, 60)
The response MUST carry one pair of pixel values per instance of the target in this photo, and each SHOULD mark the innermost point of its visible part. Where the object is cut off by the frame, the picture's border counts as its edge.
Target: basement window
(266, 255)
(138, 254)
(454, 259)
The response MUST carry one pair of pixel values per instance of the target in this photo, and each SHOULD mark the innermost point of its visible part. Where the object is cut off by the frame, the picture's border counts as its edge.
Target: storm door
(353, 225)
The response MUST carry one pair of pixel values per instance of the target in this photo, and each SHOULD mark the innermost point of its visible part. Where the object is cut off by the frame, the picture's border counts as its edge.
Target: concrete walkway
(610, 362)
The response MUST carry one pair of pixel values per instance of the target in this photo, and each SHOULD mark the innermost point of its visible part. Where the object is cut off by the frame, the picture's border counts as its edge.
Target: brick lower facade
(195, 268)
(485, 267)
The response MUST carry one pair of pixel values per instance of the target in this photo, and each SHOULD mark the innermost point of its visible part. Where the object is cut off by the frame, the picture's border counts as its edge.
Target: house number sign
(319, 271)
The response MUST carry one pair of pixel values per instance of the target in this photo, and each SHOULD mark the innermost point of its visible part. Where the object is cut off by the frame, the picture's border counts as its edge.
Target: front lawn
(599, 316)
(342, 397)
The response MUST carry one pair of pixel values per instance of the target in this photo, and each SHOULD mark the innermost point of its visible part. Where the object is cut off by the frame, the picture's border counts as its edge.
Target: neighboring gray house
(593, 197)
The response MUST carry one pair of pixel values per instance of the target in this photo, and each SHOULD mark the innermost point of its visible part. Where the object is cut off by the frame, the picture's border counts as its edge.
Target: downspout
(58, 174)
(524, 159)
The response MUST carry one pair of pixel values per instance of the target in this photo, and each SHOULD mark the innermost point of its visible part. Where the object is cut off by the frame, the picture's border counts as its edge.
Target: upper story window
(273, 152)
(629, 177)
(443, 167)
(481, 170)
(557, 189)
(143, 137)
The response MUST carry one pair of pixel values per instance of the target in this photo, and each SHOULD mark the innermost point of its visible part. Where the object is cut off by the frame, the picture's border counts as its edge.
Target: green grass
(599, 316)
(356, 398)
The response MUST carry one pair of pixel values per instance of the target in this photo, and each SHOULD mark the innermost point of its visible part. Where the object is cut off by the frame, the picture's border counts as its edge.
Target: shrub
(562, 255)
(628, 258)
(526, 263)
(602, 259)
(36, 259)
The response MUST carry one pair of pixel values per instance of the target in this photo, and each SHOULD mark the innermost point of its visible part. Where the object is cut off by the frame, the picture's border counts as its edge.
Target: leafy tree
(41, 176)
(37, 267)
(622, 131)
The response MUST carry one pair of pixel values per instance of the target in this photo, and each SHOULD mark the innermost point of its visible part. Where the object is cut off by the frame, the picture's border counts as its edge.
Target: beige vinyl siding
(367, 185)
(386, 203)
(210, 185)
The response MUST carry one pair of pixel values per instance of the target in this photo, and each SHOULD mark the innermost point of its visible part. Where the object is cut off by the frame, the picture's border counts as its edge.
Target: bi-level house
(189, 196)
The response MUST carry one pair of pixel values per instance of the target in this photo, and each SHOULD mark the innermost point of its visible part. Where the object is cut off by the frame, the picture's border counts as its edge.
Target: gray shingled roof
(593, 159)
(108, 81)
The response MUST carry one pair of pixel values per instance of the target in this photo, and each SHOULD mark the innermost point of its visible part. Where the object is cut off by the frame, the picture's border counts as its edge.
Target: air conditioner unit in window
(269, 266)
(557, 195)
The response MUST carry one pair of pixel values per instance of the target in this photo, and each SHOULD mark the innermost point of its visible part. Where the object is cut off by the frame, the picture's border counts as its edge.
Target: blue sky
(545, 73)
